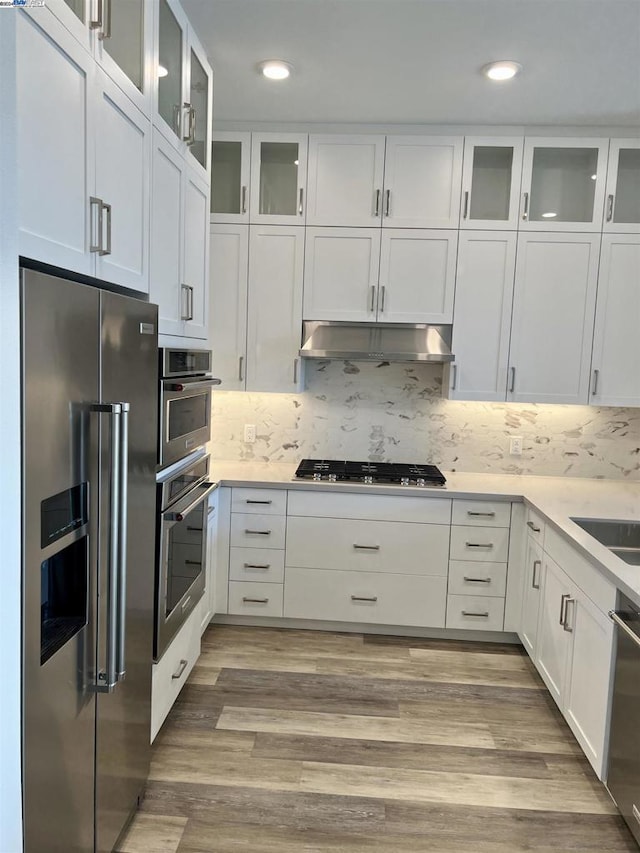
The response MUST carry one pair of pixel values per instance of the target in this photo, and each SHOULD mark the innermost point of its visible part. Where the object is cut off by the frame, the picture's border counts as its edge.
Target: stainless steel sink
(622, 538)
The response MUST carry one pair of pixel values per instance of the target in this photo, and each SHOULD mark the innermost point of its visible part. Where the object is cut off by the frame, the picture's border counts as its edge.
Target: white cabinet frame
(470, 144)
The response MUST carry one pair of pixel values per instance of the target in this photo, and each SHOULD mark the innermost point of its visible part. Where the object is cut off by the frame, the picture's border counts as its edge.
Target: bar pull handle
(95, 224)
(241, 369)
(366, 547)
(247, 600)
(181, 669)
(107, 208)
(477, 580)
(191, 302)
(596, 377)
(372, 303)
(609, 208)
(105, 32)
(295, 371)
(243, 204)
(301, 202)
(466, 204)
(565, 624)
(624, 627)
(372, 598)
(454, 380)
(488, 545)
(387, 204)
(512, 386)
(192, 124)
(121, 667)
(476, 514)
(482, 615)
(252, 501)
(535, 580)
(97, 22)
(376, 210)
(563, 601)
(383, 293)
(187, 106)
(257, 532)
(184, 314)
(525, 205)
(533, 527)
(264, 566)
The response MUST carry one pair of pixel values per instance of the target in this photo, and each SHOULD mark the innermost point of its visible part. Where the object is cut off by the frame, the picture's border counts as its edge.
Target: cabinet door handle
(181, 669)
(107, 208)
(376, 209)
(97, 22)
(535, 581)
(257, 565)
(251, 501)
(191, 292)
(488, 545)
(565, 624)
(466, 204)
(477, 580)
(372, 304)
(533, 527)
(366, 547)
(483, 614)
(247, 600)
(105, 32)
(563, 600)
(177, 119)
(295, 371)
(257, 532)
(609, 208)
(525, 205)
(372, 598)
(454, 380)
(596, 376)
(191, 125)
(387, 205)
(243, 204)
(240, 369)
(188, 314)
(95, 224)
(476, 514)
(383, 293)
(184, 314)
(301, 202)
(512, 386)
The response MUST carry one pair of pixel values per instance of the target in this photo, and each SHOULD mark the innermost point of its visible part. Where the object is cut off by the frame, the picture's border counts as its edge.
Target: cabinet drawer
(535, 525)
(426, 510)
(368, 546)
(259, 501)
(365, 597)
(172, 670)
(481, 513)
(480, 544)
(256, 564)
(470, 578)
(476, 612)
(255, 599)
(257, 531)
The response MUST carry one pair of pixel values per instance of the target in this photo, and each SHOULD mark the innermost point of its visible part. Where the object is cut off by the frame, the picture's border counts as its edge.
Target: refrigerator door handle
(107, 677)
(123, 514)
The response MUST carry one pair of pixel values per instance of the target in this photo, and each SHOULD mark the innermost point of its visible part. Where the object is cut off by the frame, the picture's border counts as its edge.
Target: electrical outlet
(515, 445)
(249, 433)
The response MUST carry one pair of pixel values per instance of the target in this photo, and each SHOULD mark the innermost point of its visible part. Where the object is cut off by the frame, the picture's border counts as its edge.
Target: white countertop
(558, 499)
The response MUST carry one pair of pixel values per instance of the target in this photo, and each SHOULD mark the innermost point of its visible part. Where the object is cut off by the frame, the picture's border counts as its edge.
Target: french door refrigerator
(89, 391)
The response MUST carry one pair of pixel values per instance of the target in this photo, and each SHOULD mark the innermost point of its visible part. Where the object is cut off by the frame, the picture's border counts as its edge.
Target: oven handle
(172, 515)
(623, 625)
(186, 385)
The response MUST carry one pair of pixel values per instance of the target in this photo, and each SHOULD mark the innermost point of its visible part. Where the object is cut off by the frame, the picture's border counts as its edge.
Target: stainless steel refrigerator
(89, 390)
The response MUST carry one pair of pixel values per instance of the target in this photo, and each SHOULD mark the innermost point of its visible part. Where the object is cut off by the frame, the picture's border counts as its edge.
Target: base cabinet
(532, 578)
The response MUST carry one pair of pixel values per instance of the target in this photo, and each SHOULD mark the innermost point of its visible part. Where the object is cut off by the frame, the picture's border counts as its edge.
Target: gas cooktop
(400, 474)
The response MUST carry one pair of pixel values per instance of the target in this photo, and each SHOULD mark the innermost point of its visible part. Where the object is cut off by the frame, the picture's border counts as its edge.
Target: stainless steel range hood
(376, 342)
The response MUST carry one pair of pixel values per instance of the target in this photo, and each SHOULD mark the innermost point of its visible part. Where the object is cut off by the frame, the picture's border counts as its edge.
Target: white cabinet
(393, 275)
(422, 181)
(196, 253)
(563, 184)
(553, 313)
(345, 180)
(228, 275)
(491, 173)
(274, 322)
(482, 316)
(230, 172)
(622, 209)
(278, 178)
(208, 601)
(615, 378)
(553, 634)
(532, 580)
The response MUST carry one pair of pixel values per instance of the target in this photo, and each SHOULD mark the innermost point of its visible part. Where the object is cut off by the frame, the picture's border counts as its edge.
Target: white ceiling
(417, 61)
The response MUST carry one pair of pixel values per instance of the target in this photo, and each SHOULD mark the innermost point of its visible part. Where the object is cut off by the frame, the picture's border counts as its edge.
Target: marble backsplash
(395, 413)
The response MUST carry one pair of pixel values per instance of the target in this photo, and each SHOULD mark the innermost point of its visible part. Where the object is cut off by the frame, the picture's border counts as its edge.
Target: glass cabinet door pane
(279, 178)
(563, 183)
(125, 45)
(627, 199)
(491, 183)
(77, 7)
(169, 67)
(226, 180)
(199, 100)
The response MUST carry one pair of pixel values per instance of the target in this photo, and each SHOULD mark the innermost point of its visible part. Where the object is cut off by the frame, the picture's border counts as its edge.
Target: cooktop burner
(402, 474)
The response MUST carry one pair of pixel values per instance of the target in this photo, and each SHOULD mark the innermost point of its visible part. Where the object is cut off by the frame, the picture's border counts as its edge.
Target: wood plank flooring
(305, 741)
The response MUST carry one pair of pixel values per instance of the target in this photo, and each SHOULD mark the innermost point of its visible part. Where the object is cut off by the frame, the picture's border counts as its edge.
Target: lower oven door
(181, 563)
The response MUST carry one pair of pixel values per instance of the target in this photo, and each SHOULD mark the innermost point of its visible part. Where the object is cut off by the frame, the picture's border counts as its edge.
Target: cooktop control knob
(420, 481)
(404, 481)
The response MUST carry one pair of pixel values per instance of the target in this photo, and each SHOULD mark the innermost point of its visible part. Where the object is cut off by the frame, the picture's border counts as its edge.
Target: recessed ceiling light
(549, 215)
(504, 69)
(275, 69)
(162, 71)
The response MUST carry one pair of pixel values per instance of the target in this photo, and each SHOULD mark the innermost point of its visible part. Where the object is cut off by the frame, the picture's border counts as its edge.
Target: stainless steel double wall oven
(183, 488)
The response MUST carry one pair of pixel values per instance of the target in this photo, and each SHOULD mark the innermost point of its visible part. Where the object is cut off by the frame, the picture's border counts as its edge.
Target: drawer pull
(257, 532)
(366, 547)
(249, 501)
(181, 669)
(372, 598)
(192, 563)
(479, 544)
(535, 582)
(483, 615)
(533, 527)
(194, 529)
(475, 514)
(477, 580)
(255, 600)
(257, 565)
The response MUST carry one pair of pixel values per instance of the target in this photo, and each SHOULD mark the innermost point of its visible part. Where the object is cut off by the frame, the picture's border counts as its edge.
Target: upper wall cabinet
(622, 210)
(278, 178)
(491, 174)
(183, 100)
(119, 35)
(563, 184)
(228, 276)
(230, 165)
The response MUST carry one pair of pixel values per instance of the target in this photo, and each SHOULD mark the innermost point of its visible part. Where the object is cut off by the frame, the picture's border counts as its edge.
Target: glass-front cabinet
(563, 184)
(491, 173)
(169, 69)
(622, 205)
(230, 159)
(278, 178)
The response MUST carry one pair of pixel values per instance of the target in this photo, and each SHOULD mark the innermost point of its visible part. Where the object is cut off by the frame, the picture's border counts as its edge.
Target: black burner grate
(370, 472)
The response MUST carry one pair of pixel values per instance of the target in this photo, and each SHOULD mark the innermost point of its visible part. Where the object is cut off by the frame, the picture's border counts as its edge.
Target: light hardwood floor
(305, 741)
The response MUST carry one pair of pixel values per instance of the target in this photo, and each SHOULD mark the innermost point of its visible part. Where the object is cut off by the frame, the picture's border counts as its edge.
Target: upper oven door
(185, 417)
